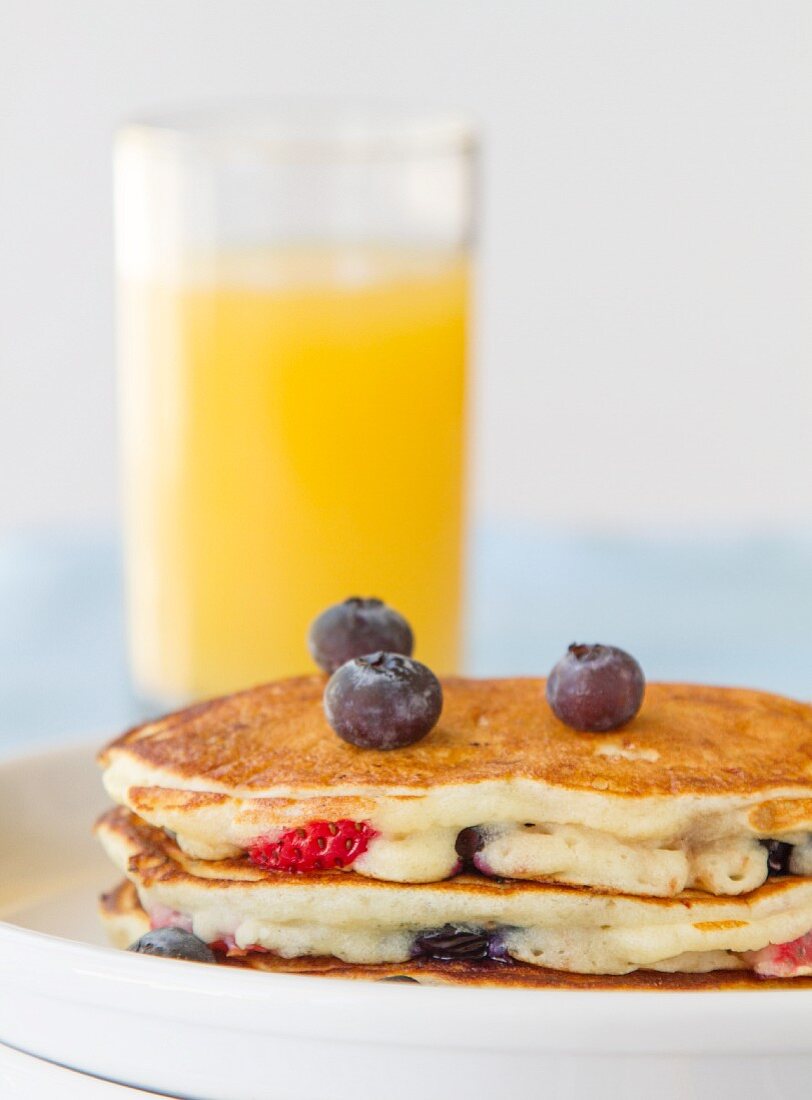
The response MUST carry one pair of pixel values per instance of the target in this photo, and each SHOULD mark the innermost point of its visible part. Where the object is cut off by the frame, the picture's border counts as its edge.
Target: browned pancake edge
(122, 902)
(155, 859)
(687, 740)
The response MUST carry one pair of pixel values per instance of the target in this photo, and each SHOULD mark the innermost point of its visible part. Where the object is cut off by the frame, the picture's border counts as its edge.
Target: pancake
(233, 904)
(679, 798)
(125, 921)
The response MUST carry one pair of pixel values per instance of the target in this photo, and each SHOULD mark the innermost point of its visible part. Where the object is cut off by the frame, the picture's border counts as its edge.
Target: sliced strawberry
(161, 916)
(228, 946)
(317, 846)
(783, 960)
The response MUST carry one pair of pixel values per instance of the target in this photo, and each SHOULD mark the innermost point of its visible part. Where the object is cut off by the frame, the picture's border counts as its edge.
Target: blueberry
(451, 943)
(596, 688)
(778, 857)
(383, 701)
(469, 841)
(354, 628)
(173, 943)
(497, 949)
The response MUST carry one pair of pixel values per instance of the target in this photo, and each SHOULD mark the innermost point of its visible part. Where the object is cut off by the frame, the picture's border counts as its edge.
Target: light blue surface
(726, 611)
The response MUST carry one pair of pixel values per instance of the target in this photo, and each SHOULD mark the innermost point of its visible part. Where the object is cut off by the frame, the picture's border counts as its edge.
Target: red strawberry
(317, 846)
(783, 960)
(228, 946)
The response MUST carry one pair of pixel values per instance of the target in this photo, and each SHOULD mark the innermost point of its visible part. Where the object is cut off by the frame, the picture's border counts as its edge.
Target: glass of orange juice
(292, 321)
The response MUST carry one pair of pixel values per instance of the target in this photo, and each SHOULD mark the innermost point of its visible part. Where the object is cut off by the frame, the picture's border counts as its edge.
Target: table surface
(725, 610)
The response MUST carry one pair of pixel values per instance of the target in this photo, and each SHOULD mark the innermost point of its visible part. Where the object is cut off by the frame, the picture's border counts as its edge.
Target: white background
(645, 291)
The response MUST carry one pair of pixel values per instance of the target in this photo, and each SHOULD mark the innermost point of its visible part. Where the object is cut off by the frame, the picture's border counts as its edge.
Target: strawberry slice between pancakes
(317, 846)
(783, 960)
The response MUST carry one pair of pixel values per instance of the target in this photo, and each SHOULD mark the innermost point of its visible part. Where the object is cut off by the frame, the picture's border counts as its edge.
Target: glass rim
(307, 131)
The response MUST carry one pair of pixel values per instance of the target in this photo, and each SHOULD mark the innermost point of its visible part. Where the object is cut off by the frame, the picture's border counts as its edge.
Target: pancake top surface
(687, 739)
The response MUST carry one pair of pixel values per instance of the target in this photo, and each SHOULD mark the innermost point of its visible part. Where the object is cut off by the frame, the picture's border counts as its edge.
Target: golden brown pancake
(677, 799)
(366, 921)
(687, 739)
(125, 921)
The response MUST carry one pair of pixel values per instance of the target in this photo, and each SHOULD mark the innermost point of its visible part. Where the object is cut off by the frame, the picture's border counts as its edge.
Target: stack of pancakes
(504, 844)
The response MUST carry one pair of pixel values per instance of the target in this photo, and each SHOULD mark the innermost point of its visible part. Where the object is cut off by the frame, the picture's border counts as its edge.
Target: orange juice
(293, 427)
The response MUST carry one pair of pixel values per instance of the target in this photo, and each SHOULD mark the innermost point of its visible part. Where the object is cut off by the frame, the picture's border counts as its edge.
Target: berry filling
(161, 916)
(469, 842)
(227, 945)
(317, 846)
(450, 944)
(778, 857)
(783, 960)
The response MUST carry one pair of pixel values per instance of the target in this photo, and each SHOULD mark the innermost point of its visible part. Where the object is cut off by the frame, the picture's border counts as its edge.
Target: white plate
(23, 1077)
(217, 1034)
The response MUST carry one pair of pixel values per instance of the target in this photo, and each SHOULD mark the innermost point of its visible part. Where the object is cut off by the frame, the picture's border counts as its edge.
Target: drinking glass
(292, 336)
